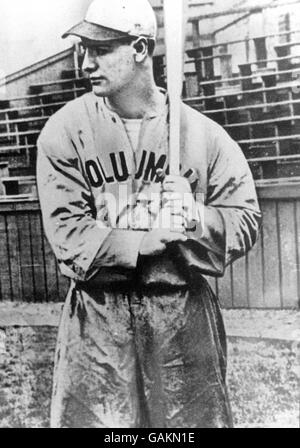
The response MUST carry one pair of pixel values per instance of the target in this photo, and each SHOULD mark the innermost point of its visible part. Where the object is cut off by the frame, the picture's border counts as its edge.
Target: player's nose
(89, 64)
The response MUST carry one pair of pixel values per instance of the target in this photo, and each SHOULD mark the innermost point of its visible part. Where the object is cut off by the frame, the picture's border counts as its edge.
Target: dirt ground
(263, 368)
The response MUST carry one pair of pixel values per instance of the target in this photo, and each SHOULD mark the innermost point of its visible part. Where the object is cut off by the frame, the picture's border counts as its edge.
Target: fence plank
(51, 276)
(57, 285)
(256, 276)
(288, 251)
(225, 289)
(272, 284)
(63, 284)
(239, 281)
(38, 258)
(5, 277)
(297, 221)
(26, 261)
(14, 254)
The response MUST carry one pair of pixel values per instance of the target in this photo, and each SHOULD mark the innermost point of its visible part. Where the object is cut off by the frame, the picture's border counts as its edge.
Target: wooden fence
(268, 277)
(28, 269)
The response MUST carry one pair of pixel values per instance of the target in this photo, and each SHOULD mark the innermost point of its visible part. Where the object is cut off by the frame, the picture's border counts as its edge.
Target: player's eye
(95, 51)
(101, 51)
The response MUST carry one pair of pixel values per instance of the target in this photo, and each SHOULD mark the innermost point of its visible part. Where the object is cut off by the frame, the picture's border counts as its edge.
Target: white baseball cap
(108, 20)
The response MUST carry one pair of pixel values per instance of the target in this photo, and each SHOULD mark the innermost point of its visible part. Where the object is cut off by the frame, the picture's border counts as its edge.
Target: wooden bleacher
(21, 120)
(257, 102)
(259, 105)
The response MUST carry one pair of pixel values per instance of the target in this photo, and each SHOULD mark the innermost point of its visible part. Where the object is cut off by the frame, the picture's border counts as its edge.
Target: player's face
(111, 67)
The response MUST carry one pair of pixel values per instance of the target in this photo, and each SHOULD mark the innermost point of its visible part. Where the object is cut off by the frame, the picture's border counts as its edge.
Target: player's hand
(155, 242)
(177, 196)
(176, 184)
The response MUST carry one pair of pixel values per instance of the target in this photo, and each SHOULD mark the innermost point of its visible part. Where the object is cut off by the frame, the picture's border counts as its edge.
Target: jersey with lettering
(92, 184)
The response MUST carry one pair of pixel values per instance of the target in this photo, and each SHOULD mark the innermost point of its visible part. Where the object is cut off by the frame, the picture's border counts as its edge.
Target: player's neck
(141, 98)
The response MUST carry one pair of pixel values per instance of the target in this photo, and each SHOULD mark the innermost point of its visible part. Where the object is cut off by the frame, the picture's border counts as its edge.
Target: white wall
(30, 30)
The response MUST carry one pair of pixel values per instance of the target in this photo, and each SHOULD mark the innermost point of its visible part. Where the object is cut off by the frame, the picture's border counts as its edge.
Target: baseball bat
(175, 12)
(188, 255)
(174, 42)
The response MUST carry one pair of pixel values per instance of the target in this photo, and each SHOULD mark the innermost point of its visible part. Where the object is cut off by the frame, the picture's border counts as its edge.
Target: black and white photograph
(150, 216)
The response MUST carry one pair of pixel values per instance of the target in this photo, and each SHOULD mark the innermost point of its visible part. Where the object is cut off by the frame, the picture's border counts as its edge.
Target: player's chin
(99, 90)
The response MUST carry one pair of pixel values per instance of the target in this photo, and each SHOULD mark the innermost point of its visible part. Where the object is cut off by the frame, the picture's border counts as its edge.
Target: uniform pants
(147, 358)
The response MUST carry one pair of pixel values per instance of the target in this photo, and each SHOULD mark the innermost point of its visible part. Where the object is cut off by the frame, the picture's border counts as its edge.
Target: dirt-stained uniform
(141, 340)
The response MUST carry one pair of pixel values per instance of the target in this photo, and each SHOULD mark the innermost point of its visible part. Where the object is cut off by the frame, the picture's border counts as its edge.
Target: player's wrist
(195, 217)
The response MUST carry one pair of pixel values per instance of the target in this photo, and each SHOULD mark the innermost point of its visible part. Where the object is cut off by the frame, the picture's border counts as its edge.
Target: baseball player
(141, 340)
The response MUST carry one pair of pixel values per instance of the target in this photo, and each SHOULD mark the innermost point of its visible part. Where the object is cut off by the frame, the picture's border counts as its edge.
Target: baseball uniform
(141, 340)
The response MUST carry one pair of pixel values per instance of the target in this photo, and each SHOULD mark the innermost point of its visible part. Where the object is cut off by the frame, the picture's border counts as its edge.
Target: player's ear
(141, 49)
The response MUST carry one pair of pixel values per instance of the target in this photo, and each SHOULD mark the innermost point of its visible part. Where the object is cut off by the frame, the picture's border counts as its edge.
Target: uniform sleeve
(230, 216)
(69, 214)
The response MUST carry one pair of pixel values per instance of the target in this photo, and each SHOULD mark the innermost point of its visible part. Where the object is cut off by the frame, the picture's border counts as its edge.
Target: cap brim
(91, 31)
